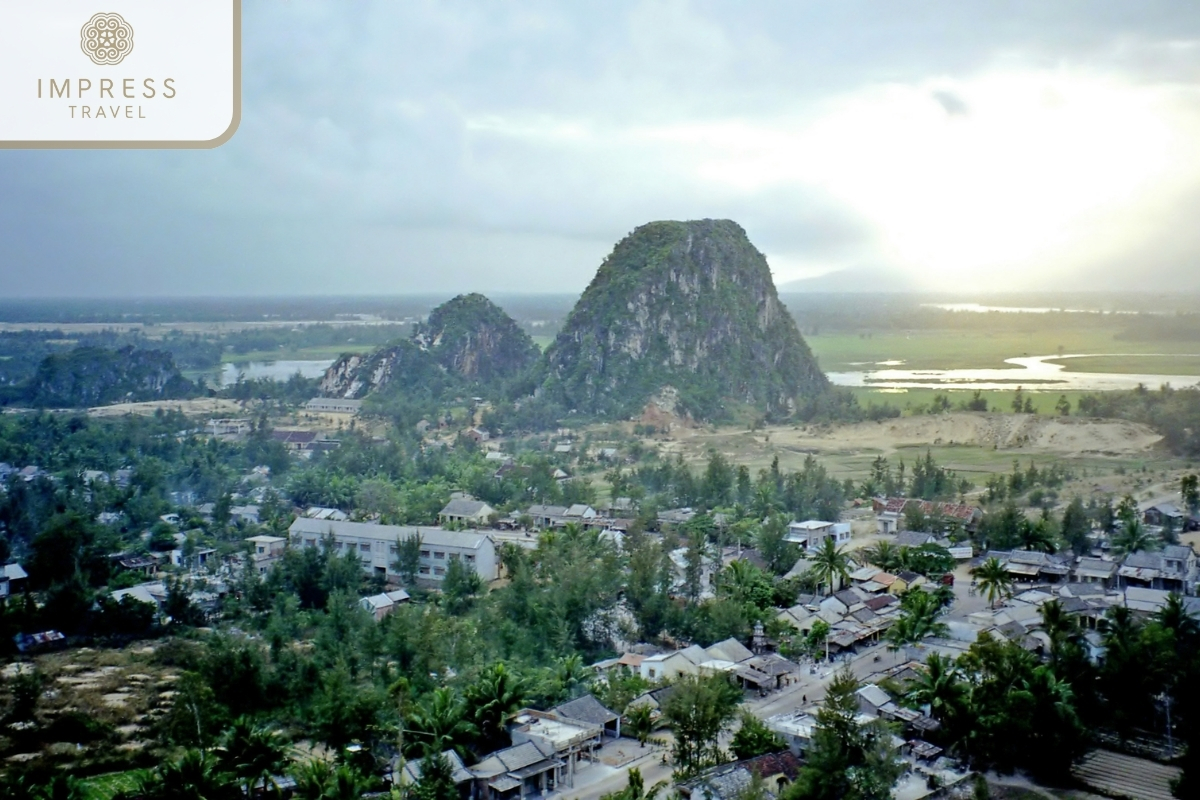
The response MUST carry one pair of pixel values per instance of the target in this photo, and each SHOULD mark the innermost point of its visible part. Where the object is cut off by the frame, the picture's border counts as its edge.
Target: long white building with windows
(376, 546)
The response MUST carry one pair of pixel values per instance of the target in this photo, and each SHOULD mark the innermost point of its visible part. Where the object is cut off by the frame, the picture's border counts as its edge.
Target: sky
(394, 147)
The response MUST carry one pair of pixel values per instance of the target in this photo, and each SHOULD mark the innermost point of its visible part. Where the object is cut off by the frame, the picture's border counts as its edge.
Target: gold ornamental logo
(106, 39)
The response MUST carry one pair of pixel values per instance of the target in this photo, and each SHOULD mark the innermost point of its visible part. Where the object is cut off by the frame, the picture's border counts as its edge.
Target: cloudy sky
(392, 147)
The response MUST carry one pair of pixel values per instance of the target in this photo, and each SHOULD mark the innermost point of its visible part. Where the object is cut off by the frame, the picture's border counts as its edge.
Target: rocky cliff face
(472, 337)
(92, 376)
(467, 340)
(690, 305)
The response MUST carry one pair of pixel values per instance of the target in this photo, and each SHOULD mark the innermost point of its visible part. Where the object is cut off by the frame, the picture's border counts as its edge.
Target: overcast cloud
(394, 147)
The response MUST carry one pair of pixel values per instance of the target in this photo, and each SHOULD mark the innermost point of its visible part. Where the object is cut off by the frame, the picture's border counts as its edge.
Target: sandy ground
(213, 407)
(1024, 432)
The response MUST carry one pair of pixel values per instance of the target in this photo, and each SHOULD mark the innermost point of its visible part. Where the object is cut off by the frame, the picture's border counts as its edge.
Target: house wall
(376, 547)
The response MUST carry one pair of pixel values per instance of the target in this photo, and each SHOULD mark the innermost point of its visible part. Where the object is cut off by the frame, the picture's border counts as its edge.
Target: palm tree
(830, 564)
(1134, 538)
(636, 788)
(320, 780)
(941, 687)
(251, 753)
(882, 554)
(920, 613)
(570, 674)
(195, 776)
(440, 723)
(497, 693)
(1175, 617)
(640, 721)
(994, 580)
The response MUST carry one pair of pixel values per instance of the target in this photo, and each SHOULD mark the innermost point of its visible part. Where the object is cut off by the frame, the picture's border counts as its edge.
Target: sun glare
(1009, 172)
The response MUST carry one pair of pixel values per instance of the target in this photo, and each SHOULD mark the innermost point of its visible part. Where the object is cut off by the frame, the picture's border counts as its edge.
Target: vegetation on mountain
(91, 376)
(685, 305)
(472, 337)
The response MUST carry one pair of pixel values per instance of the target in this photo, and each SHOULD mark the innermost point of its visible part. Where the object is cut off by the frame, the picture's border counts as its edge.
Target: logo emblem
(106, 39)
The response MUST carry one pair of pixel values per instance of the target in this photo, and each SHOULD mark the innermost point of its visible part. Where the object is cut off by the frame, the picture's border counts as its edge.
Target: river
(1031, 372)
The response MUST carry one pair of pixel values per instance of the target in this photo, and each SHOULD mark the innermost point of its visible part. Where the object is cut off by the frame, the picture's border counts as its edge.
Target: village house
(589, 710)
(295, 440)
(268, 551)
(333, 405)
(529, 768)
(731, 781)
(380, 605)
(466, 511)
(1174, 569)
(571, 740)
(890, 517)
(410, 774)
(476, 435)
(811, 533)
(377, 546)
(1094, 570)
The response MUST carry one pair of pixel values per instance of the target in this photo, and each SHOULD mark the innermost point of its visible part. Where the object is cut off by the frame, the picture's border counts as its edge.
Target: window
(652, 672)
(454, 556)
(424, 554)
(311, 542)
(393, 549)
(439, 570)
(470, 559)
(423, 570)
(365, 547)
(439, 555)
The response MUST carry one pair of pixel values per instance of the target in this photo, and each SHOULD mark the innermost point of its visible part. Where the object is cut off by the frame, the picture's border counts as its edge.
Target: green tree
(754, 738)
(779, 553)
(920, 617)
(640, 721)
(698, 710)
(436, 781)
(830, 564)
(408, 558)
(252, 754)
(636, 788)
(994, 580)
(883, 554)
(847, 760)
(461, 586)
(1189, 492)
(1134, 538)
(1076, 526)
(440, 723)
(496, 694)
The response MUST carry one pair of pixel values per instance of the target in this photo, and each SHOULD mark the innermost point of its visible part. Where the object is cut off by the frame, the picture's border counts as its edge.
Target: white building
(810, 533)
(333, 405)
(377, 546)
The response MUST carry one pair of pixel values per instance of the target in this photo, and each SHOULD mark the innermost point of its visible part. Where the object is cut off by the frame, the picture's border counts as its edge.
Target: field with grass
(911, 401)
(984, 349)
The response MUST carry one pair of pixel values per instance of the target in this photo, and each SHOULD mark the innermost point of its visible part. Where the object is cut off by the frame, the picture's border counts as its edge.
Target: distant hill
(466, 342)
(473, 337)
(686, 305)
(856, 280)
(93, 376)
